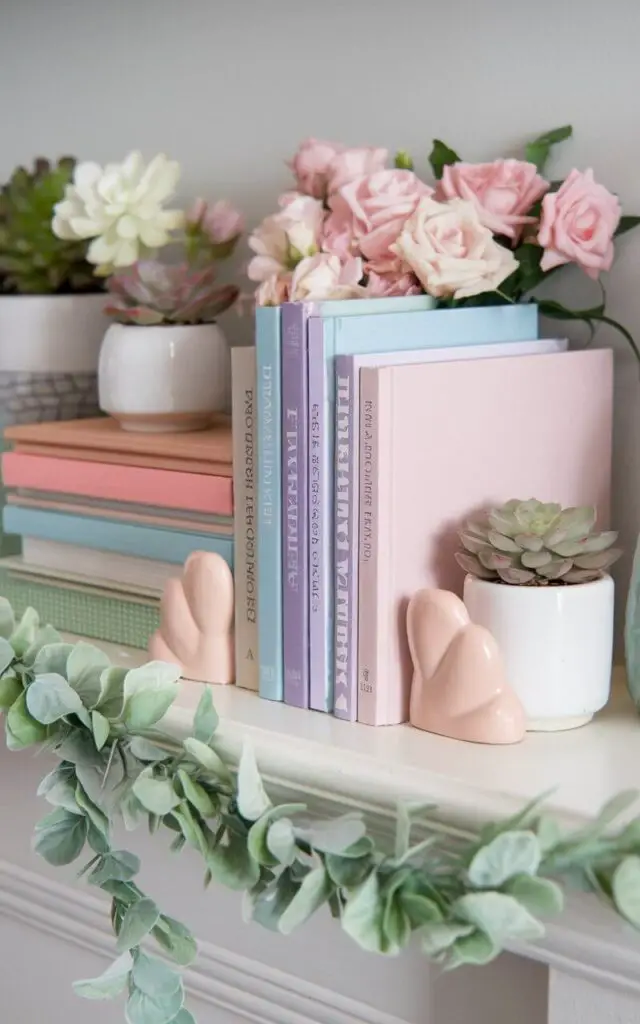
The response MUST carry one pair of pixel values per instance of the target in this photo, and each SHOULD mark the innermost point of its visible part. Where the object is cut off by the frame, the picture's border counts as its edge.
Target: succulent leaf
(156, 293)
(530, 543)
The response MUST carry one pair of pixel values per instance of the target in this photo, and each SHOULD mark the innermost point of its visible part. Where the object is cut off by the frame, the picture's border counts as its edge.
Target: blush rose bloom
(502, 192)
(338, 236)
(323, 276)
(394, 283)
(451, 252)
(378, 205)
(285, 238)
(578, 223)
(312, 165)
(349, 164)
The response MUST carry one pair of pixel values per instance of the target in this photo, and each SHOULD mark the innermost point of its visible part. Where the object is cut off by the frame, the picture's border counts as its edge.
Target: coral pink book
(441, 441)
(193, 491)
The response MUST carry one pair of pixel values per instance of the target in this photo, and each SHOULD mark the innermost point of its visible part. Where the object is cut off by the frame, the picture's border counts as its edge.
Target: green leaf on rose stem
(115, 866)
(85, 666)
(141, 917)
(509, 854)
(206, 719)
(499, 916)
(21, 728)
(152, 1009)
(50, 698)
(7, 655)
(112, 686)
(625, 224)
(626, 889)
(197, 795)
(149, 692)
(207, 758)
(10, 690)
(7, 619)
(156, 795)
(52, 658)
(538, 151)
(153, 977)
(176, 940)
(101, 728)
(314, 891)
(441, 155)
(108, 985)
(252, 799)
(60, 837)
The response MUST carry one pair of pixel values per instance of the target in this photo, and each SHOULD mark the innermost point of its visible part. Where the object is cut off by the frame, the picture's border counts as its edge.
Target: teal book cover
(269, 432)
(370, 331)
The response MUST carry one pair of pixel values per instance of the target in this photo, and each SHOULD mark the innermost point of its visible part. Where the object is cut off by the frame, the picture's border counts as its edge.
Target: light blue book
(107, 535)
(269, 488)
(363, 332)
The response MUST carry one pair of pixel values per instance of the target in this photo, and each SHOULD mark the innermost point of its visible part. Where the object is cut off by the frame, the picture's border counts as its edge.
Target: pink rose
(323, 276)
(312, 165)
(379, 206)
(349, 164)
(220, 221)
(338, 236)
(451, 252)
(578, 223)
(386, 286)
(503, 192)
(285, 238)
(274, 290)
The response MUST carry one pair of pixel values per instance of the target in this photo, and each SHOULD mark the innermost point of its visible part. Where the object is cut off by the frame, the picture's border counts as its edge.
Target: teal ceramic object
(632, 630)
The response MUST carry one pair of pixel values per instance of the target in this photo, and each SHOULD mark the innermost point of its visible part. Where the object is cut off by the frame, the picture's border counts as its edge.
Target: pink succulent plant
(154, 293)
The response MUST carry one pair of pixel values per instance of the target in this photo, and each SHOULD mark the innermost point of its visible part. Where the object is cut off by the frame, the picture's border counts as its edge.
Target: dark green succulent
(33, 261)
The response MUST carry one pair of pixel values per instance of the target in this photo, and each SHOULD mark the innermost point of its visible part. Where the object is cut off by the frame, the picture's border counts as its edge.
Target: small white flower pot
(49, 349)
(557, 643)
(164, 378)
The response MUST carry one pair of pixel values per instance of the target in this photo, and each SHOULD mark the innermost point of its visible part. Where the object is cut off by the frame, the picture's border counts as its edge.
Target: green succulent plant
(33, 261)
(530, 543)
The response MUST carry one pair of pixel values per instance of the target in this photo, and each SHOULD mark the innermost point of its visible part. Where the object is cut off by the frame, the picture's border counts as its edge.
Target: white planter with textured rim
(557, 643)
(164, 378)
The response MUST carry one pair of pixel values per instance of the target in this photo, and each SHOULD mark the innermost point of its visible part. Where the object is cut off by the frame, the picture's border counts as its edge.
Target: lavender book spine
(345, 542)
(320, 611)
(295, 547)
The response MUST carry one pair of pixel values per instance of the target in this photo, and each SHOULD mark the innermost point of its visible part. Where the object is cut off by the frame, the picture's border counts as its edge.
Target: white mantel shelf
(377, 767)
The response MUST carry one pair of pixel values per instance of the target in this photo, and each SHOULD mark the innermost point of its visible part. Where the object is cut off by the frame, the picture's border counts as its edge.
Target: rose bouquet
(121, 209)
(485, 233)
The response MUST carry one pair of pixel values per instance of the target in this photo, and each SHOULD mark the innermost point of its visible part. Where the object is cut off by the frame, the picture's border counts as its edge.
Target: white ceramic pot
(164, 378)
(49, 349)
(557, 643)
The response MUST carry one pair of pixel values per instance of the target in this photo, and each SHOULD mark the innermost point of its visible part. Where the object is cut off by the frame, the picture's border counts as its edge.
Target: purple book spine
(346, 539)
(295, 546)
(321, 698)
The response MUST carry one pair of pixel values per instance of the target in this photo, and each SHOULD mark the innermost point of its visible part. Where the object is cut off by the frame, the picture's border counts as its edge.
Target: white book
(71, 560)
(243, 375)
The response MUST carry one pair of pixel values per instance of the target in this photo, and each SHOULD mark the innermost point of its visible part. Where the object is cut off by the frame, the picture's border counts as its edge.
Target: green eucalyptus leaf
(85, 666)
(281, 841)
(7, 654)
(176, 940)
(97, 817)
(115, 866)
(21, 728)
(7, 619)
(153, 977)
(98, 842)
(61, 840)
(257, 838)
(156, 795)
(441, 935)
(499, 916)
(10, 690)
(205, 721)
(362, 915)
(110, 984)
(252, 799)
(138, 921)
(184, 1017)
(268, 906)
(347, 872)
(207, 758)
(314, 891)
(100, 727)
(538, 895)
(403, 831)
(50, 698)
(45, 636)
(25, 633)
(626, 889)
(111, 702)
(190, 828)
(151, 1009)
(62, 793)
(144, 750)
(149, 692)
(509, 854)
(334, 836)
(476, 948)
(232, 865)
(548, 833)
(52, 657)
(197, 795)
(419, 909)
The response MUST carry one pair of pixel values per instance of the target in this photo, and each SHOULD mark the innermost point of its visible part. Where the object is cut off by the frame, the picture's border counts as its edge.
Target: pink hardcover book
(194, 491)
(441, 441)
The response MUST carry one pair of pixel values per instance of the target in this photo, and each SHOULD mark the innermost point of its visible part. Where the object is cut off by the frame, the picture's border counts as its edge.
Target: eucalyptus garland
(466, 899)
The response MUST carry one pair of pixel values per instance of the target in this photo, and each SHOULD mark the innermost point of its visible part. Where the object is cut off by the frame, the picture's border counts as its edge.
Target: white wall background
(230, 87)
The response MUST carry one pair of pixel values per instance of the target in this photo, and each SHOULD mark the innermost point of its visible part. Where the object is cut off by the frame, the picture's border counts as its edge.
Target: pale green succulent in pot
(530, 543)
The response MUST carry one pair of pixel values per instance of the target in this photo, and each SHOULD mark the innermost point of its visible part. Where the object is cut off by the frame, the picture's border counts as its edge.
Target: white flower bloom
(120, 208)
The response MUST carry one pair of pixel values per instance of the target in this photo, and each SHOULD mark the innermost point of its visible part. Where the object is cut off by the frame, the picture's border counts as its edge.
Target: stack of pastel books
(364, 433)
(106, 517)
